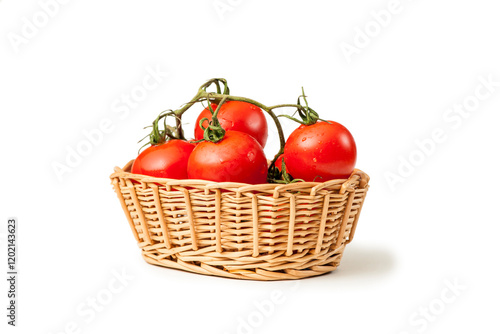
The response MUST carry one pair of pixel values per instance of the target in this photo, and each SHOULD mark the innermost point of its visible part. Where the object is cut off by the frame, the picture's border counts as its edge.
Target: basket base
(257, 274)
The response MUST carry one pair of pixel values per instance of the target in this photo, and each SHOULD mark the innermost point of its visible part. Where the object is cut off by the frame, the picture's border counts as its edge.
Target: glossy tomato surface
(168, 160)
(320, 152)
(237, 116)
(238, 157)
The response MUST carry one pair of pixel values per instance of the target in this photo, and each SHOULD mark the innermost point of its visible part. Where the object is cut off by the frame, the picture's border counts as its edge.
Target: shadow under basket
(236, 230)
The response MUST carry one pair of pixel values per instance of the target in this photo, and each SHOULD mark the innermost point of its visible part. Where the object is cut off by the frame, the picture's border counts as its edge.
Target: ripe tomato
(168, 160)
(320, 152)
(237, 116)
(238, 157)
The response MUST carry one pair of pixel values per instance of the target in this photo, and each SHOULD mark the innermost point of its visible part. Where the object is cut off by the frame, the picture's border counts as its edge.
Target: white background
(438, 224)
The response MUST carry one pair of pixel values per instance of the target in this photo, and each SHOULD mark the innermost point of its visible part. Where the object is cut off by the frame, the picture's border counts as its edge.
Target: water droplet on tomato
(315, 160)
(304, 139)
(251, 155)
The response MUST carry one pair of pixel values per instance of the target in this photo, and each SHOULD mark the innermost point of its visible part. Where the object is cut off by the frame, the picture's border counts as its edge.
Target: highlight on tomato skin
(320, 152)
(238, 157)
(237, 116)
(167, 160)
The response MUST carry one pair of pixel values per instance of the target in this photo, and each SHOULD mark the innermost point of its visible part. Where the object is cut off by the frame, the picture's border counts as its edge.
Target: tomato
(168, 160)
(238, 157)
(320, 152)
(237, 116)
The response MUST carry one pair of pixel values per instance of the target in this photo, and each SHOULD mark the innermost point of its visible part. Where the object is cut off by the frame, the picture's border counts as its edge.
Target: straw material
(235, 230)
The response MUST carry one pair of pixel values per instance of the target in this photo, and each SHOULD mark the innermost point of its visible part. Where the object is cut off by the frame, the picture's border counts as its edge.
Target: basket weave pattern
(258, 232)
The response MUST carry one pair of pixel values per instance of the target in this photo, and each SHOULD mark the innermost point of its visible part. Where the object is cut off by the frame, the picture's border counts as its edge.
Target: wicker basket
(257, 232)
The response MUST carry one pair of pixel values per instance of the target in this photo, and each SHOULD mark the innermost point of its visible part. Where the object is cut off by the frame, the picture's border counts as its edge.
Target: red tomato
(168, 160)
(320, 152)
(238, 157)
(237, 116)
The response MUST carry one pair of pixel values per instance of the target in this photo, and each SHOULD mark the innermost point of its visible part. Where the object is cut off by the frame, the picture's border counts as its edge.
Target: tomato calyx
(158, 135)
(308, 115)
(214, 131)
(278, 173)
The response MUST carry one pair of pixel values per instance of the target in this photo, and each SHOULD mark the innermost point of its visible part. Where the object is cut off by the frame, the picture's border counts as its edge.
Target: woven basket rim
(346, 184)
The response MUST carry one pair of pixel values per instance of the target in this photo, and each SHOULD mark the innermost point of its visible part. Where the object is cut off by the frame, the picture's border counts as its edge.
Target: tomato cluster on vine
(229, 139)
